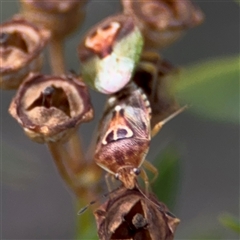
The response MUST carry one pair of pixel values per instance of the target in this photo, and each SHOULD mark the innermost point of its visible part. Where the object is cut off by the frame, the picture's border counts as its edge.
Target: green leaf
(230, 222)
(212, 89)
(167, 183)
(18, 167)
(237, 1)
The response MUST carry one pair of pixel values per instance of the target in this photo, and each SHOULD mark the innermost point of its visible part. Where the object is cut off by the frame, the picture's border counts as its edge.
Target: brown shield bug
(124, 136)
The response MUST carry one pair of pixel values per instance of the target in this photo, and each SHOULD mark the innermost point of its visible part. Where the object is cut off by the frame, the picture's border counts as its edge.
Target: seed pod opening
(61, 17)
(162, 22)
(21, 45)
(129, 215)
(109, 53)
(50, 108)
(155, 77)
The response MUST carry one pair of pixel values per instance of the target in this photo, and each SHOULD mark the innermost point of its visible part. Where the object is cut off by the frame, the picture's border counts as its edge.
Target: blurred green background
(197, 153)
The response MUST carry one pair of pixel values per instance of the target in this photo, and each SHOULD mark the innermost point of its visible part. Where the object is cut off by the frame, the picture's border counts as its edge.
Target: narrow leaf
(212, 89)
(230, 222)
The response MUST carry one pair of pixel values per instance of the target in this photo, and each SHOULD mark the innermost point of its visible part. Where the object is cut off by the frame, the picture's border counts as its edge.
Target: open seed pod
(109, 53)
(49, 108)
(130, 215)
(21, 45)
(162, 22)
(61, 17)
(156, 76)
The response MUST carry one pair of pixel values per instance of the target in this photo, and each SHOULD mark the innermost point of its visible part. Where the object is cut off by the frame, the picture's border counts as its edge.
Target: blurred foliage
(168, 181)
(231, 222)
(237, 1)
(18, 167)
(211, 89)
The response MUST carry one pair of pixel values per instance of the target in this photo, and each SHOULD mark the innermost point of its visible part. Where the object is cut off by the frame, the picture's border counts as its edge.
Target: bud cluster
(119, 57)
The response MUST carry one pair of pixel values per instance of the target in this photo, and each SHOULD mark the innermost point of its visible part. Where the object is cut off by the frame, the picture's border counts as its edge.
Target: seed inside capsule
(52, 96)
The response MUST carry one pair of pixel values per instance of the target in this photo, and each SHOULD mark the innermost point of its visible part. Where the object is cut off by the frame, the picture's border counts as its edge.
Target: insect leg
(109, 178)
(144, 176)
(147, 165)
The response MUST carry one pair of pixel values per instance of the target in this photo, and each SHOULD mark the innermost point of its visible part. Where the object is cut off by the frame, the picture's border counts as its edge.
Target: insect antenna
(105, 195)
(151, 201)
(159, 125)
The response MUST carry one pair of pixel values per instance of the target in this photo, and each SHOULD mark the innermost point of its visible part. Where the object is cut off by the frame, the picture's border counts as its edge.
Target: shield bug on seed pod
(110, 52)
(125, 134)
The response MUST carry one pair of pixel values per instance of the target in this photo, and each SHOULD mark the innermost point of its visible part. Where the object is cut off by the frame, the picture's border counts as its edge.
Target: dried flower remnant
(156, 76)
(162, 22)
(109, 53)
(124, 135)
(130, 215)
(21, 45)
(49, 108)
(61, 17)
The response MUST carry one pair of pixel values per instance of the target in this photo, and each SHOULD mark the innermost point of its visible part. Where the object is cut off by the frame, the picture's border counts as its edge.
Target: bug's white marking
(118, 108)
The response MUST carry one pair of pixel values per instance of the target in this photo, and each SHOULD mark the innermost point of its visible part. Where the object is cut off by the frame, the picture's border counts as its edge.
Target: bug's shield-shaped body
(124, 134)
(110, 52)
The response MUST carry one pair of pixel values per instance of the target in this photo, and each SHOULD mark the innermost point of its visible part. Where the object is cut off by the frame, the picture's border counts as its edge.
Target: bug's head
(128, 176)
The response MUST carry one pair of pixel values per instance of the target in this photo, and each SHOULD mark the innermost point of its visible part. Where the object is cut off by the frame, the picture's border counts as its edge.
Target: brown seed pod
(155, 76)
(128, 214)
(21, 45)
(163, 21)
(61, 17)
(50, 108)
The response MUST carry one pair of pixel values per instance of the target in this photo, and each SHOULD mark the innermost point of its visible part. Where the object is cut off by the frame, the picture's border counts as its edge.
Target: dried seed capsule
(163, 21)
(130, 215)
(61, 17)
(21, 45)
(155, 76)
(109, 53)
(49, 108)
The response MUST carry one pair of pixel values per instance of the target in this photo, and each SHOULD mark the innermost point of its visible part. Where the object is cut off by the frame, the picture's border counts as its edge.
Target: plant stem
(71, 153)
(60, 155)
(56, 52)
(77, 156)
